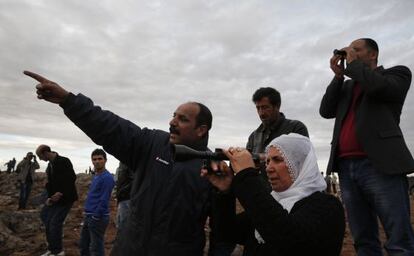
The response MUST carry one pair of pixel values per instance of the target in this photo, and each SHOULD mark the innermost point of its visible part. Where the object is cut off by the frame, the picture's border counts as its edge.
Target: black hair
(371, 44)
(269, 92)
(98, 152)
(204, 116)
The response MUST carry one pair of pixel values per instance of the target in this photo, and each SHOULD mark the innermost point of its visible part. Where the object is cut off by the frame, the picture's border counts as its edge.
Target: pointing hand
(48, 90)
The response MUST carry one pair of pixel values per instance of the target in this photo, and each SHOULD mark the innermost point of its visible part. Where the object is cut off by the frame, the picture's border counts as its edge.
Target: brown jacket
(26, 167)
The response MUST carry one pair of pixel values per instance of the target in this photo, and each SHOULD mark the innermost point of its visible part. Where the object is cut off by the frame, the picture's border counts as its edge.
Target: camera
(340, 52)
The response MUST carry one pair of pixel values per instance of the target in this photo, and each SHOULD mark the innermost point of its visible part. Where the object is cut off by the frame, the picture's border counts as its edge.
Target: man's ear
(373, 55)
(202, 130)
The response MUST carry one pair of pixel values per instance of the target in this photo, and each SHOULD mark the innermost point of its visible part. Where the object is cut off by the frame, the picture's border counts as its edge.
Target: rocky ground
(22, 234)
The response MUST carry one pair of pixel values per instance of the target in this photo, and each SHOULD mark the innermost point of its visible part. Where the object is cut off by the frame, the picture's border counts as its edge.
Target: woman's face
(277, 170)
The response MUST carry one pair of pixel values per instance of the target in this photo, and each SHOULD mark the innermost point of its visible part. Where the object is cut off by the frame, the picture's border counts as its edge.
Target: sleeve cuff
(248, 172)
(68, 99)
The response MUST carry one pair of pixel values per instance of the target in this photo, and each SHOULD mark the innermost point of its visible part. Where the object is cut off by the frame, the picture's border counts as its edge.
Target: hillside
(22, 234)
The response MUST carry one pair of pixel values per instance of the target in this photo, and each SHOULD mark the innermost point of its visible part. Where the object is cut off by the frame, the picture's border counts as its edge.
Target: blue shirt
(97, 201)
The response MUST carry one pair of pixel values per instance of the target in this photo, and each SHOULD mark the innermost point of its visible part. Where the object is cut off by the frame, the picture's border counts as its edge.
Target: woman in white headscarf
(296, 218)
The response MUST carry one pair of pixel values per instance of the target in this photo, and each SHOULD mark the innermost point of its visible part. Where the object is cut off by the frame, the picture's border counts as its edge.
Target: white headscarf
(300, 158)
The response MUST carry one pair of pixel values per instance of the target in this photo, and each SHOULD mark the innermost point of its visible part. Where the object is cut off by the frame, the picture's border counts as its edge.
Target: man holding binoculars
(368, 149)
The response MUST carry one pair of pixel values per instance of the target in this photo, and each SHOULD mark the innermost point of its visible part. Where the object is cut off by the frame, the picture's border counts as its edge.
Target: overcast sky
(141, 59)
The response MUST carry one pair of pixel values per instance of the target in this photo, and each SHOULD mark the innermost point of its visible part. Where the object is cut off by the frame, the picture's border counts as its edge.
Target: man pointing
(169, 201)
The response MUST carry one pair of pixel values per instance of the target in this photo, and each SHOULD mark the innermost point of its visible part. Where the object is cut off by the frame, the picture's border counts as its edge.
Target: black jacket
(314, 226)
(377, 116)
(169, 201)
(61, 178)
(125, 176)
(258, 139)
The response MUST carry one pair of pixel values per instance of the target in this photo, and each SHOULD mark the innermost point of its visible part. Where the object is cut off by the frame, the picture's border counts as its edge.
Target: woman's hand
(240, 159)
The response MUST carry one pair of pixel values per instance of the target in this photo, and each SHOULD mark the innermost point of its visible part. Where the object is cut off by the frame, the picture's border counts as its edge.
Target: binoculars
(183, 153)
(340, 52)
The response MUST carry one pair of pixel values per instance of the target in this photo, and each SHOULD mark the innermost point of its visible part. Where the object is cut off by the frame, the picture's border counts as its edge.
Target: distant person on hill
(8, 170)
(61, 193)
(13, 164)
(26, 176)
(10, 165)
(97, 210)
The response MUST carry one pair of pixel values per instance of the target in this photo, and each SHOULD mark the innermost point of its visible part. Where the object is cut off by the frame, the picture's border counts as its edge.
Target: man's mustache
(173, 130)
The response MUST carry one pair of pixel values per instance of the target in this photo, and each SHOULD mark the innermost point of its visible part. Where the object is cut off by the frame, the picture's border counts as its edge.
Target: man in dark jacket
(124, 177)
(61, 193)
(274, 123)
(368, 148)
(169, 200)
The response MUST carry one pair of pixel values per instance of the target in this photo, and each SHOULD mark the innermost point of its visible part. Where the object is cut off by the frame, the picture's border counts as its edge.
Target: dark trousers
(25, 189)
(370, 195)
(53, 217)
(92, 235)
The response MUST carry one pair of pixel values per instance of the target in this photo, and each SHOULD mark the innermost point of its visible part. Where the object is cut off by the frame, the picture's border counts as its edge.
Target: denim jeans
(369, 195)
(122, 214)
(53, 217)
(92, 235)
(25, 189)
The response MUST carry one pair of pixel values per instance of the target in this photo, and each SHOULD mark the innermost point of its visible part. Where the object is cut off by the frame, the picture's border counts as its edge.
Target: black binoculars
(183, 153)
(340, 52)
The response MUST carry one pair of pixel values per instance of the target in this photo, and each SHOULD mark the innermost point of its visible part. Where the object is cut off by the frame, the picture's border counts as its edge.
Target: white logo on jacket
(159, 159)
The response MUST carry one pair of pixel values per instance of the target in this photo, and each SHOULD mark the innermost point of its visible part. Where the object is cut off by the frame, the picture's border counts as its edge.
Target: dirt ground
(34, 239)
(71, 241)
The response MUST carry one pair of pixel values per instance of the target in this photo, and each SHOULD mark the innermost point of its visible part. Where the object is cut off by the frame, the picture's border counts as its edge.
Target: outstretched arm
(119, 137)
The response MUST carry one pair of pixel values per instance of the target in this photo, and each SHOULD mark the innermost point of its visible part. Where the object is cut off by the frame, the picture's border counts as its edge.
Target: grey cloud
(141, 60)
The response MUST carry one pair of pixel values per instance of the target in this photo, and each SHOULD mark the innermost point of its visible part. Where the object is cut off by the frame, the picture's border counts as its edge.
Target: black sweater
(314, 226)
(61, 178)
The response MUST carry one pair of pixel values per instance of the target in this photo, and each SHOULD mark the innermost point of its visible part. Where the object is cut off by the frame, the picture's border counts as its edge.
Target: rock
(22, 233)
